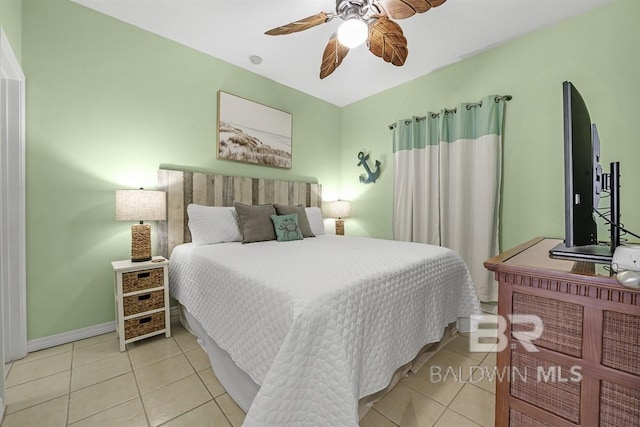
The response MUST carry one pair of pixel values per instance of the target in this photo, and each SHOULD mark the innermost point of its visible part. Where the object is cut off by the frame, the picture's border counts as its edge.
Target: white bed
(305, 332)
(321, 322)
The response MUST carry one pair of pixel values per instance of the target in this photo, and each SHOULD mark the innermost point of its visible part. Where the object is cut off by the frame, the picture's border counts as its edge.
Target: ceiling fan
(364, 20)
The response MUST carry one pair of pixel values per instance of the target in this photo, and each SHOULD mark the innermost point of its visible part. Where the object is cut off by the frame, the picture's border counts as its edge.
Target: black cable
(615, 225)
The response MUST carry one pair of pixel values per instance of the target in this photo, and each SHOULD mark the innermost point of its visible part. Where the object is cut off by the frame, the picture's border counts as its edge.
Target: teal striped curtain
(447, 178)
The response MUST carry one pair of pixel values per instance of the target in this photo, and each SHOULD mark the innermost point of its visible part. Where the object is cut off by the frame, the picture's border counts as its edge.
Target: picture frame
(253, 133)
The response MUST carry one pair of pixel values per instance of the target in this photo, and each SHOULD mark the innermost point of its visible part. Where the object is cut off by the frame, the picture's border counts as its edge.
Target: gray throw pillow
(303, 221)
(255, 222)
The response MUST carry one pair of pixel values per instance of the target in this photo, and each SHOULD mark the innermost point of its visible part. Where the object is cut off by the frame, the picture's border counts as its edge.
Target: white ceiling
(233, 30)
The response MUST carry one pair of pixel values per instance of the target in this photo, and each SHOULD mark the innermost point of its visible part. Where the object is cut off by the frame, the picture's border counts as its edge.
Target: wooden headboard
(184, 187)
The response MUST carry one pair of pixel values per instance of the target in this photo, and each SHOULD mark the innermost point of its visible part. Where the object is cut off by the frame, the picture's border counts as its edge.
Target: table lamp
(339, 209)
(141, 205)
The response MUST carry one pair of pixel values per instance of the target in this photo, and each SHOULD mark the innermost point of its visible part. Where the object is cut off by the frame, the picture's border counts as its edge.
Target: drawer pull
(145, 320)
(143, 275)
(144, 297)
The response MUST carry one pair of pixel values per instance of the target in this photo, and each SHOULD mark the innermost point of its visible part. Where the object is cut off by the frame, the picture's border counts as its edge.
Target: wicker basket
(140, 303)
(144, 325)
(144, 279)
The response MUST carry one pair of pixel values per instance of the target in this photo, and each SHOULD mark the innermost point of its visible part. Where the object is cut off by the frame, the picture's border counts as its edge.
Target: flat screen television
(583, 182)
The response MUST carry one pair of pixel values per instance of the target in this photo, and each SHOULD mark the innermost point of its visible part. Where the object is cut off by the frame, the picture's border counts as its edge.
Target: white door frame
(13, 288)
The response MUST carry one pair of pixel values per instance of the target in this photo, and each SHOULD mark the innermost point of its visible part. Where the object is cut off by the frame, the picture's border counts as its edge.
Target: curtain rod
(454, 110)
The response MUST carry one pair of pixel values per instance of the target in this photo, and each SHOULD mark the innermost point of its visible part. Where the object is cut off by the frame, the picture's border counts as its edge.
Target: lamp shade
(141, 205)
(338, 209)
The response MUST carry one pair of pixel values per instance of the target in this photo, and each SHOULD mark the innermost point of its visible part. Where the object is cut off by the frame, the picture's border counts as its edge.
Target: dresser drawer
(143, 279)
(562, 322)
(558, 396)
(143, 325)
(518, 419)
(619, 405)
(621, 341)
(140, 303)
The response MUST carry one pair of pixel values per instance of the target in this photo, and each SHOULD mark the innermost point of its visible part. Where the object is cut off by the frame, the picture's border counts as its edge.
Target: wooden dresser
(586, 371)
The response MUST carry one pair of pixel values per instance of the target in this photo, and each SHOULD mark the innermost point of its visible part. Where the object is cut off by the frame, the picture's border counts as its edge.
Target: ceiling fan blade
(332, 56)
(401, 9)
(300, 25)
(387, 41)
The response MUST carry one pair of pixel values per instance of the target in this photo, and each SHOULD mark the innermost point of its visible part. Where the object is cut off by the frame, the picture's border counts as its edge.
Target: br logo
(488, 331)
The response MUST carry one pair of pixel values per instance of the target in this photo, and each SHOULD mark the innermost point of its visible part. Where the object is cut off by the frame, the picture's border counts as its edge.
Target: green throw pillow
(287, 227)
(303, 221)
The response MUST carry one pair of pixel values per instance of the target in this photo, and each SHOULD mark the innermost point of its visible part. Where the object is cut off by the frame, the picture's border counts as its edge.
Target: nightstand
(142, 299)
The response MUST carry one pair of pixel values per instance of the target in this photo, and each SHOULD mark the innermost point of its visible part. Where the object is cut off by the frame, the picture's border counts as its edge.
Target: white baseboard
(71, 336)
(2, 408)
(80, 334)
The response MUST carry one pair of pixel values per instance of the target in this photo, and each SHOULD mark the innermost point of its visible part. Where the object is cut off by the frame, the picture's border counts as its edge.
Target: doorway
(13, 323)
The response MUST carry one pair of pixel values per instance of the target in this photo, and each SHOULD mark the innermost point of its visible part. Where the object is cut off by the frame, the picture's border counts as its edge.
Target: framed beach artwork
(253, 133)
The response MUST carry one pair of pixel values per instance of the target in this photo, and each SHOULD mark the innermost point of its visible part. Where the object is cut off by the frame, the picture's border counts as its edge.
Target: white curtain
(447, 183)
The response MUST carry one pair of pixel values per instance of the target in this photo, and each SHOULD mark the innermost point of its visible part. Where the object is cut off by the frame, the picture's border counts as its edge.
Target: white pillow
(213, 224)
(315, 220)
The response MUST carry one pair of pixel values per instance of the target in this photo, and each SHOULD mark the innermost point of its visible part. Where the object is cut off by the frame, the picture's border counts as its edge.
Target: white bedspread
(320, 322)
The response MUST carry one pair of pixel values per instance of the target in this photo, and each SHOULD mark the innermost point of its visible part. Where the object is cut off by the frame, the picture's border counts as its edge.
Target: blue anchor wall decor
(372, 175)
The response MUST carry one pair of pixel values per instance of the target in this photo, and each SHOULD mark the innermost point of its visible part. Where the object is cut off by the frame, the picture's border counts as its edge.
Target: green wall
(11, 23)
(598, 51)
(107, 104)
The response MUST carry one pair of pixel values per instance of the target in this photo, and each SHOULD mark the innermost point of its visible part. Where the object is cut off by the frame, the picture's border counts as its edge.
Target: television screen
(580, 163)
(583, 181)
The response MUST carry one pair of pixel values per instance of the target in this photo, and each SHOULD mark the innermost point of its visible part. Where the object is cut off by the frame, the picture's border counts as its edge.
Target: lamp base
(339, 227)
(140, 242)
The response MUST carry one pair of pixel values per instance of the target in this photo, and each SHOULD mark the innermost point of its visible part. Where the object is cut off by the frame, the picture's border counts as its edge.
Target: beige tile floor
(169, 382)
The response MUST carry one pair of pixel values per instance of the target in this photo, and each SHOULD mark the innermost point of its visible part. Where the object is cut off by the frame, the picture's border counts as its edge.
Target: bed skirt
(243, 389)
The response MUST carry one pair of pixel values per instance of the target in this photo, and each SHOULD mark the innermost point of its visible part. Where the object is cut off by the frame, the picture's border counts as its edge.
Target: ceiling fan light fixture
(353, 32)
(370, 21)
